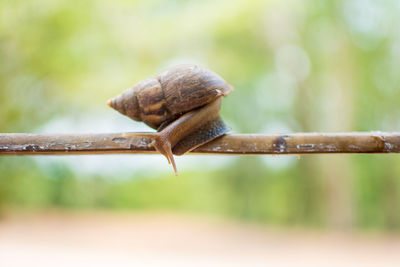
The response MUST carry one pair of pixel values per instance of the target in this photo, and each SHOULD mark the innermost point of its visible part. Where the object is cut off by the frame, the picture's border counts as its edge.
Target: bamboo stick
(117, 143)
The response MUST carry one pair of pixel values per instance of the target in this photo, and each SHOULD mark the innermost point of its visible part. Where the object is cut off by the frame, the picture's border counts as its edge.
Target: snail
(182, 104)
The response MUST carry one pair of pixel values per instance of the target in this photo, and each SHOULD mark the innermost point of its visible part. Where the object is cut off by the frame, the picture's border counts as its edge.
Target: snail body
(181, 103)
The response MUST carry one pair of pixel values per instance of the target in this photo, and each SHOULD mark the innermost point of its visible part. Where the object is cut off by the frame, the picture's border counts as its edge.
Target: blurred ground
(163, 239)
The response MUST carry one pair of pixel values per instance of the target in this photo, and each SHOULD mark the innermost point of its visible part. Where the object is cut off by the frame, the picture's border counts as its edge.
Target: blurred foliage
(296, 65)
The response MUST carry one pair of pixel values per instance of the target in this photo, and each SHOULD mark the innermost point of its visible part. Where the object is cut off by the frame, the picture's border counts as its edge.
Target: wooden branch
(299, 143)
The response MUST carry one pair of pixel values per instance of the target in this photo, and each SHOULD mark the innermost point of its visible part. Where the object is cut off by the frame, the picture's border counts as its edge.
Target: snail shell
(157, 101)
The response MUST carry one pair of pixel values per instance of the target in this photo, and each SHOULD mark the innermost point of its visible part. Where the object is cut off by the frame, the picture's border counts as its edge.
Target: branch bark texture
(117, 143)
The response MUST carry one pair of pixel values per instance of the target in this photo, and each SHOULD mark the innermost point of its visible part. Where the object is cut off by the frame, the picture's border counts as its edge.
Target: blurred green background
(297, 66)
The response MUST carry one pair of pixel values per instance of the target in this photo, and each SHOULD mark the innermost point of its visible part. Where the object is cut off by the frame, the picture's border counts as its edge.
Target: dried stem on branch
(117, 143)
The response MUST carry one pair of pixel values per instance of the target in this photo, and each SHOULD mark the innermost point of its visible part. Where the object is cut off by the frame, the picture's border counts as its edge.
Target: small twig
(299, 143)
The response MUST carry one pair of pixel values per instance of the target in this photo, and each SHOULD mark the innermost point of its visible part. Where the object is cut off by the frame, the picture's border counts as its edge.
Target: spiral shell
(170, 94)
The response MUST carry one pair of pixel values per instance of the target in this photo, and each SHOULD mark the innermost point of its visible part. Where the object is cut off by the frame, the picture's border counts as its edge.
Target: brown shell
(171, 93)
